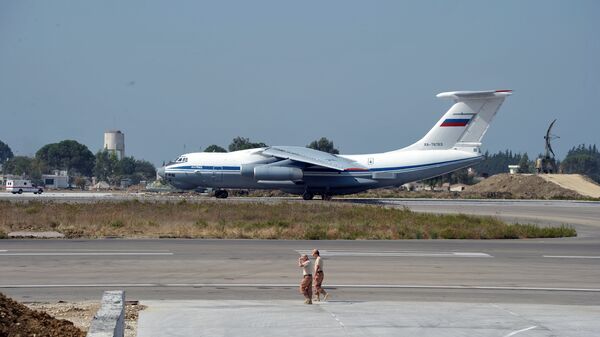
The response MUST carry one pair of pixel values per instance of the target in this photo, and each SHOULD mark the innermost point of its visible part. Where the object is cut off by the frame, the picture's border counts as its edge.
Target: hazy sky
(175, 74)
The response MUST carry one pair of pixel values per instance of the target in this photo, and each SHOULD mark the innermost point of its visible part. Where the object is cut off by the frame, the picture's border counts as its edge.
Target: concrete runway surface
(552, 284)
(288, 318)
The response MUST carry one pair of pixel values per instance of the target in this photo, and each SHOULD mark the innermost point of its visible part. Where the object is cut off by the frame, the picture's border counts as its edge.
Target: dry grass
(212, 219)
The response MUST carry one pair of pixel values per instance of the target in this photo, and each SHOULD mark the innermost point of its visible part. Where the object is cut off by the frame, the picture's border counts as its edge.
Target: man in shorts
(306, 283)
(319, 276)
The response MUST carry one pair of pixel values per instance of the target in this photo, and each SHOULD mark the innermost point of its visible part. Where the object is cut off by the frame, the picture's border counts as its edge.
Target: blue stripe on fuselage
(215, 168)
(380, 169)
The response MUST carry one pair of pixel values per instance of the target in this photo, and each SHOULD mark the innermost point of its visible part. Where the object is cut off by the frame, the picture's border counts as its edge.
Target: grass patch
(247, 220)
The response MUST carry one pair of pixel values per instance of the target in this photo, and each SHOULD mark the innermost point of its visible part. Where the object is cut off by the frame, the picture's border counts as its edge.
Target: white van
(19, 186)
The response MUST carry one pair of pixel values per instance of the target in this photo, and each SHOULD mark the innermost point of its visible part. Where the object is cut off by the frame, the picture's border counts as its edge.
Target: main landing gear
(309, 196)
(326, 196)
(221, 194)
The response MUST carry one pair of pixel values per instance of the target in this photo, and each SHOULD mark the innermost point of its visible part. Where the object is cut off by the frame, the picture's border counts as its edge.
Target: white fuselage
(453, 143)
(226, 170)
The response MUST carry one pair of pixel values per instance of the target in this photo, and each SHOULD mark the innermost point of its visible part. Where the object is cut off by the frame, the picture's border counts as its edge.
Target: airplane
(453, 143)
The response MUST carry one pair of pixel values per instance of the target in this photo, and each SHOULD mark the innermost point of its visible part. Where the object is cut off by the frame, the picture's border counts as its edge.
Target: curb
(109, 321)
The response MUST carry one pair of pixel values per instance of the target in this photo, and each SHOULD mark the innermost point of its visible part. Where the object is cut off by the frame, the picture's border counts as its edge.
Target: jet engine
(277, 173)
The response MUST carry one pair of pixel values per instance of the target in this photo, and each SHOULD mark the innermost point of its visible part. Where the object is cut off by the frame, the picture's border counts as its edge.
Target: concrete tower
(114, 140)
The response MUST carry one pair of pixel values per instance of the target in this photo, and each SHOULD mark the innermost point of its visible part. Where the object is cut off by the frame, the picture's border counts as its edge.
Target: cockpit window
(181, 159)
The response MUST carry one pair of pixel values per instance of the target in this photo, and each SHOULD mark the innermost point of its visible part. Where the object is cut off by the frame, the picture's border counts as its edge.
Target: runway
(178, 268)
(556, 271)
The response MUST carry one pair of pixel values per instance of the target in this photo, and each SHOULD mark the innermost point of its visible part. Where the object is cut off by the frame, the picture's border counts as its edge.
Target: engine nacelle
(278, 173)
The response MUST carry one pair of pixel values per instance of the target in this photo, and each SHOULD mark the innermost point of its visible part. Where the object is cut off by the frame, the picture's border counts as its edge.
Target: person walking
(306, 283)
(319, 275)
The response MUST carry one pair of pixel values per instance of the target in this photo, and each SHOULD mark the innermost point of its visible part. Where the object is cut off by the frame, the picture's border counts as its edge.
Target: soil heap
(520, 186)
(16, 320)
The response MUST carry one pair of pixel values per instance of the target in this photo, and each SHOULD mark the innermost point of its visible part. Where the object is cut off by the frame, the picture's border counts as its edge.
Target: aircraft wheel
(326, 196)
(221, 194)
(308, 196)
(20, 192)
(40, 191)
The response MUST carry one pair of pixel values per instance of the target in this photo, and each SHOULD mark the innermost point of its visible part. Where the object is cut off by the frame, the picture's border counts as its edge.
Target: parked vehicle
(18, 186)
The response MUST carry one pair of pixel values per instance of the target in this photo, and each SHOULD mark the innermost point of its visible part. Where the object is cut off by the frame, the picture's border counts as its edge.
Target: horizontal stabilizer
(465, 123)
(474, 94)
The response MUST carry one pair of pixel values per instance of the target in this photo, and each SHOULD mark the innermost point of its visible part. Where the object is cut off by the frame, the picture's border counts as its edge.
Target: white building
(59, 179)
(114, 140)
(513, 169)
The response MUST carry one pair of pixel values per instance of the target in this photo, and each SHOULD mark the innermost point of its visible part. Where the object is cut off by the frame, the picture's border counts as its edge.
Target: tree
(525, 164)
(67, 155)
(5, 152)
(25, 166)
(144, 169)
(324, 145)
(583, 160)
(19, 165)
(241, 143)
(106, 165)
(214, 148)
(498, 162)
(125, 166)
(80, 182)
(109, 168)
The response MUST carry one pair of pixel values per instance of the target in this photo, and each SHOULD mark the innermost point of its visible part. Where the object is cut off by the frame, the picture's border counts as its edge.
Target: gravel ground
(81, 313)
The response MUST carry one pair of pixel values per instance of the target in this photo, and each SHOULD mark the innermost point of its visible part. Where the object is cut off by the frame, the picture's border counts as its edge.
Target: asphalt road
(551, 271)
(557, 271)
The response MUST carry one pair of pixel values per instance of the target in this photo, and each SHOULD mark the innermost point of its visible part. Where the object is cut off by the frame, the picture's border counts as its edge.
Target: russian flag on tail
(456, 122)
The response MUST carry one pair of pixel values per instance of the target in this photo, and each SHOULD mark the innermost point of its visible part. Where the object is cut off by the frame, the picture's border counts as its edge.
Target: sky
(177, 76)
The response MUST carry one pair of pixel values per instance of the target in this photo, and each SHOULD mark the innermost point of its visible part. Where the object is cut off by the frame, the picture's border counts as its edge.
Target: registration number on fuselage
(433, 144)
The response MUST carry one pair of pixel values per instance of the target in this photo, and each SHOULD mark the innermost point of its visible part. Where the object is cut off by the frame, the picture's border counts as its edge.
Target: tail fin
(465, 124)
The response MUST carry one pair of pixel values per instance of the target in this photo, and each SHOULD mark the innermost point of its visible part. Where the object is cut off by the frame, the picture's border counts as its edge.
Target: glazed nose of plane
(161, 172)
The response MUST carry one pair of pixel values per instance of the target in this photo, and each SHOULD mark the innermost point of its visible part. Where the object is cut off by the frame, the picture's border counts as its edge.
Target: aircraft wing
(313, 157)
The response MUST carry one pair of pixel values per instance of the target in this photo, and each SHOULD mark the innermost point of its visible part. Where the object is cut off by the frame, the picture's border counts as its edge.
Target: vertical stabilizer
(465, 123)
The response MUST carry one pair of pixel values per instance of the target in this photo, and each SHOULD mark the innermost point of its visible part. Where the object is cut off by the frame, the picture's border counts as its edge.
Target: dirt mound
(521, 186)
(16, 320)
(575, 182)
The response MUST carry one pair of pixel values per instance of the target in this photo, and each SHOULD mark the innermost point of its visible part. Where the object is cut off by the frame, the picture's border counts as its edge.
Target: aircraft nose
(161, 172)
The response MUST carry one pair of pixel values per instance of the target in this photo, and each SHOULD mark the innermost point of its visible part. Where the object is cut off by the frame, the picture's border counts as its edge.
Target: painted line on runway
(294, 285)
(519, 331)
(572, 257)
(89, 250)
(397, 253)
(3, 251)
(97, 285)
(86, 254)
